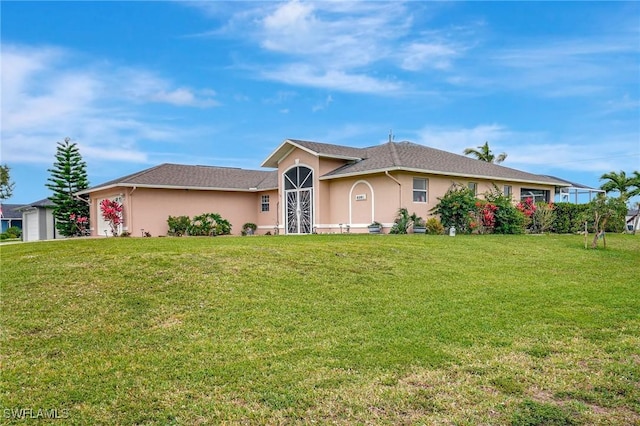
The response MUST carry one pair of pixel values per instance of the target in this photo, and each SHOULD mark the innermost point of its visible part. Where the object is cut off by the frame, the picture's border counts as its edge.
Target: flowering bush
(483, 217)
(112, 213)
(507, 219)
(79, 224)
(527, 207)
(454, 208)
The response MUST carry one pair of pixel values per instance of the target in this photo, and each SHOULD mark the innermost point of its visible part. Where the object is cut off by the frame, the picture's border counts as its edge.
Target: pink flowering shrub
(79, 224)
(112, 213)
(483, 217)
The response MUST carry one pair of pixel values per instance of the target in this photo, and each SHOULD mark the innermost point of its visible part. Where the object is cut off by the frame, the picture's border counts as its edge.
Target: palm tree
(635, 182)
(483, 153)
(618, 182)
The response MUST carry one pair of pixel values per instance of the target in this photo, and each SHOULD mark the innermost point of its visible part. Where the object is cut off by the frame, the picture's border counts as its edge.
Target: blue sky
(554, 85)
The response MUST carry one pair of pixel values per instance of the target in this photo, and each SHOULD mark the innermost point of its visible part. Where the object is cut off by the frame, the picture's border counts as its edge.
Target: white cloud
(417, 56)
(305, 75)
(335, 44)
(44, 99)
(538, 152)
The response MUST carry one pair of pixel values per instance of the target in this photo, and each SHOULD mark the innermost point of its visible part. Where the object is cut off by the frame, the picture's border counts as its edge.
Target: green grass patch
(325, 328)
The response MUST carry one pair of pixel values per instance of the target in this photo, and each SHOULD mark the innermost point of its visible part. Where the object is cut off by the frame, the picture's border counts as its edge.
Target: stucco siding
(149, 209)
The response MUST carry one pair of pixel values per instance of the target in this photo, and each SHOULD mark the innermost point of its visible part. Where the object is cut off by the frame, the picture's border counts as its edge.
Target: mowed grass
(343, 329)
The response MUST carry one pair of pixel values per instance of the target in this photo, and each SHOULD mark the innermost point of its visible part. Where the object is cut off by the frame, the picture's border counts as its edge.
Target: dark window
(298, 177)
(537, 195)
(265, 203)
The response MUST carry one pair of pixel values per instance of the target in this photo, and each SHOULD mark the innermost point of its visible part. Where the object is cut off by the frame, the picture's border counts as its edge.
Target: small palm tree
(635, 183)
(483, 153)
(618, 182)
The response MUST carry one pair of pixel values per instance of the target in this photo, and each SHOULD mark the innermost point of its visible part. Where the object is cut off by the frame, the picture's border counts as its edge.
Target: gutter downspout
(386, 172)
(130, 211)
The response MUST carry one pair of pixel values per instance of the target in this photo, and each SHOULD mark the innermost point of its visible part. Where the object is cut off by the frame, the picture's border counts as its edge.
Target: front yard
(326, 328)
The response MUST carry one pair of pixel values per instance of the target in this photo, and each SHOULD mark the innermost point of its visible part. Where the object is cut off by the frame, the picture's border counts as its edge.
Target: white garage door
(32, 226)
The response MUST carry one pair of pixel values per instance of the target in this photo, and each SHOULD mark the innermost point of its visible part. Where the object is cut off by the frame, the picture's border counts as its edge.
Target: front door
(298, 184)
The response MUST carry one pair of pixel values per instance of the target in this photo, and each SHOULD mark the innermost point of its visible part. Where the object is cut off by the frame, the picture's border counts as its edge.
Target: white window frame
(420, 191)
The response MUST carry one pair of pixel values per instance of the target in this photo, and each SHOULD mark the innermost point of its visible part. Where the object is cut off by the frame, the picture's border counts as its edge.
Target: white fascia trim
(285, 155)
(194, 188)
(439, 173)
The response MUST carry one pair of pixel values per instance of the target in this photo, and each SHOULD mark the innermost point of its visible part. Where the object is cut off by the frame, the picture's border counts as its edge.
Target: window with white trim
(507, 191)
(264, 202)
(473, 186)
(420, 190)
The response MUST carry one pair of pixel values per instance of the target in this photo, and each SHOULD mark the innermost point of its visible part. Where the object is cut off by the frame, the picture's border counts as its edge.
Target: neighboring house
(39, 222)
(633, 220)
(10, 216)
(315, 187)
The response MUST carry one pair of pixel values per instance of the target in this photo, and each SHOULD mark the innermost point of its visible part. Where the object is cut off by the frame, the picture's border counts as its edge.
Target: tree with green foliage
(605, 214)
(635, 184)
(617, 182)
(6, 186)
(68, 176)
(456, 208)
(483, 153)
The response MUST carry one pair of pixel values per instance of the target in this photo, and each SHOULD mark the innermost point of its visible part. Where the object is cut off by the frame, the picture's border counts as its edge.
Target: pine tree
(6, 186)
(68, 176)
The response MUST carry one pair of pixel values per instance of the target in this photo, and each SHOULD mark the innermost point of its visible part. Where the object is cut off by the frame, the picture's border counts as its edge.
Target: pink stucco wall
(148, 209)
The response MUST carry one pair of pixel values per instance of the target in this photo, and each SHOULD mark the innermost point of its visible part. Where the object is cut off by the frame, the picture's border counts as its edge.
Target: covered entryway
(298, 192)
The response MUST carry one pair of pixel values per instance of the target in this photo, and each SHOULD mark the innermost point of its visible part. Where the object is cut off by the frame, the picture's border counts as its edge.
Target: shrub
(568, 218)
(402, 222)
(112, 213)
(178, 225)
(507, 219)
(4, 236)
(484, 217)
(13, 232)
(543, 218)
(249, 228)
(454, 208)
(434, 226)
(209, 224)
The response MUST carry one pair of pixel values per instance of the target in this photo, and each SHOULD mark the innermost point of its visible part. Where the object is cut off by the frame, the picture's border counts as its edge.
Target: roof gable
(315, 148)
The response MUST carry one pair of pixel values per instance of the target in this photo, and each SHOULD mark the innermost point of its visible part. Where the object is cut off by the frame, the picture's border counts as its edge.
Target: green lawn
(342, 329)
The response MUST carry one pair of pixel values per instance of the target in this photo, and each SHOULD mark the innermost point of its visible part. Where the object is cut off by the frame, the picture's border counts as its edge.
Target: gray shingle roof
(330, 150)
(196, 177)
(420, 158)
(45, 202)
(11, 211)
